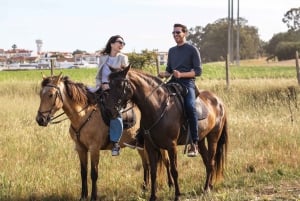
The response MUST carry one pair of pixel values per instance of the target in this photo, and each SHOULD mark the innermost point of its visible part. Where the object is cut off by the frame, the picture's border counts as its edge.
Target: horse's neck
(74, 111)
(150, 99)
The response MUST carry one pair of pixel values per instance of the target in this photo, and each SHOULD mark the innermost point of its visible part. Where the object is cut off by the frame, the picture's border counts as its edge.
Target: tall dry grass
(38, 163)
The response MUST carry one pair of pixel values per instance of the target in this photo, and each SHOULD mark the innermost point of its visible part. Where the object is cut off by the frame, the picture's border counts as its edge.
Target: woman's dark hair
(183, 27)
(111, 40)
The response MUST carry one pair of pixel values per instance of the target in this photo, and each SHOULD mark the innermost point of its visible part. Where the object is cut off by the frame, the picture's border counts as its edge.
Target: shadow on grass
(42, 198)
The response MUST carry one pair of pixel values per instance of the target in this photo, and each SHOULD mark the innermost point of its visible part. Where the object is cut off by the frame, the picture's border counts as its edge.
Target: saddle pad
(202, 111)
(128, 115)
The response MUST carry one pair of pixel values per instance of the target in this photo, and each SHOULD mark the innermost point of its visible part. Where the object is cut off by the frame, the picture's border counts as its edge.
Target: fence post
(51, 65)
(297, 67)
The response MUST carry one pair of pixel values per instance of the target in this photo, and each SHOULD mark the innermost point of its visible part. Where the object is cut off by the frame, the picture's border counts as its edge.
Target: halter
(57, 94)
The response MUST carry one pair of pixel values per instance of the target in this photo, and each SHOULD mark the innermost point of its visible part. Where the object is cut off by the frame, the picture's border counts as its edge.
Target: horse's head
(120, 92)
(51, 99)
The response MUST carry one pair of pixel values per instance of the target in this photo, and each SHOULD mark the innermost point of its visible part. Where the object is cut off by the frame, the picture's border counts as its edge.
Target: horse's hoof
(177, 198)
(152, 199)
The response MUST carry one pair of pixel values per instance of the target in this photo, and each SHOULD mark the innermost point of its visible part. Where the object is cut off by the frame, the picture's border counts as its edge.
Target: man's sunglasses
(176, 32)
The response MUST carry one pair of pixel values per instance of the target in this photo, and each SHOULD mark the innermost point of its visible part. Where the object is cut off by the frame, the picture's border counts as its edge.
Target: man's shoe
(134, 144)
(115, 150)
(193, 150)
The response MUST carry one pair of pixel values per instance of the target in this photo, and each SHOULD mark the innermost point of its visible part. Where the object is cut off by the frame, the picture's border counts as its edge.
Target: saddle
(180, 91)
(128, 114)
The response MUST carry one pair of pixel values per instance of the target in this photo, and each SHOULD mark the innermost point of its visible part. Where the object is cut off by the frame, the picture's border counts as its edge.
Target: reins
(57, 122)
(147, 131)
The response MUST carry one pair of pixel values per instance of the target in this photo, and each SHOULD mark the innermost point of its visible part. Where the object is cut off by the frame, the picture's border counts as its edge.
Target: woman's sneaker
(134, 144)
(116, 149)
(193, 150)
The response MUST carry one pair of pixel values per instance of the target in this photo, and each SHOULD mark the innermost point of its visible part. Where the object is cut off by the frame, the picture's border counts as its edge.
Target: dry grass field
(40, 164)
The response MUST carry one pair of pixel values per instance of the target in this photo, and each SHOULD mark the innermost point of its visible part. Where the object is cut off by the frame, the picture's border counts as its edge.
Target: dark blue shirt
(184, 58)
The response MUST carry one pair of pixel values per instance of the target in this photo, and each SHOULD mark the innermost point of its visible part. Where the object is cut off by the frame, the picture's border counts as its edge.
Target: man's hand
(163, 74)
(176, 74)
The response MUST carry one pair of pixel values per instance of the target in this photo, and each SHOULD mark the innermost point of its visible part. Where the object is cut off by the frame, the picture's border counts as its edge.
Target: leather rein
(126, 85)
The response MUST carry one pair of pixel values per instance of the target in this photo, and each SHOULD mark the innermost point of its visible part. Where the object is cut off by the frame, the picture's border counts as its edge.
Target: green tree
(143, 59)
(289, 36)
(292, 19)
(212, 40)
(195, 35)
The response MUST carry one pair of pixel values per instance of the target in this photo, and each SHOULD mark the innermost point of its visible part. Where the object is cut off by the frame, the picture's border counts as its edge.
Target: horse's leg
(166, 161)
(145, 163)
(83, 170)
(174, 172)
(94, 154)
(204, 154)
(153, 159)
(210, 163)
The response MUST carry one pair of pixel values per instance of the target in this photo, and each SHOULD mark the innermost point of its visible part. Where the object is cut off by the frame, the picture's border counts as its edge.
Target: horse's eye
(50, 95)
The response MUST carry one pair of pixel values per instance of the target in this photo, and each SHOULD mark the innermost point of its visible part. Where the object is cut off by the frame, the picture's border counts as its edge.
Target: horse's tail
(221, 152)
(163, 161)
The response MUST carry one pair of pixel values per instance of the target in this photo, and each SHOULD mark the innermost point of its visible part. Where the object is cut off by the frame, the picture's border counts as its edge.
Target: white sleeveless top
(106, 71)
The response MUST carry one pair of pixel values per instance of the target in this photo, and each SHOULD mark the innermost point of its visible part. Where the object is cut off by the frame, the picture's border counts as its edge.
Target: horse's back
(130, 133)
(216, 113)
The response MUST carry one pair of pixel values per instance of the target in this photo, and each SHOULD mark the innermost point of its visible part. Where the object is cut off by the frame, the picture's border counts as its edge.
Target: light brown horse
(162, 120)
(87, 128)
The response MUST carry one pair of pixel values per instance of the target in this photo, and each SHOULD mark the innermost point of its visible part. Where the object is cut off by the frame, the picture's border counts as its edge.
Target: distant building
(81, 59)
(39, 44)
(162, 58)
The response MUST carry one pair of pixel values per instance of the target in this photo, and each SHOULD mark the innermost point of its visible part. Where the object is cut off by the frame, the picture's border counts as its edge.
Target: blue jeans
(116, 129)
(190, 106)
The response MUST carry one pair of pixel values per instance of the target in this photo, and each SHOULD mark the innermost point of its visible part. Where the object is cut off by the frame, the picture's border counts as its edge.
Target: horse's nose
(41, 120)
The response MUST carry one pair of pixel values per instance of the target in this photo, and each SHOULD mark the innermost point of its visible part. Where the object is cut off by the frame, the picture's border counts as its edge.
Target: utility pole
(231, 40)
(228, 45)
(238, 34)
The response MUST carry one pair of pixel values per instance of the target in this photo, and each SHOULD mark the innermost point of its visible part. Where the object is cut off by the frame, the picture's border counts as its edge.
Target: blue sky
(67, 25)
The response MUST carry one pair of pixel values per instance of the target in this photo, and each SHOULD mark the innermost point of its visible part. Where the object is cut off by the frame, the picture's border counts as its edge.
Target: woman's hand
(104, 86)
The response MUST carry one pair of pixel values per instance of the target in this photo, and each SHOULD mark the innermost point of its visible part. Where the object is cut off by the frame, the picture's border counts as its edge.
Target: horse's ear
(43, 75)
(58, 78)
(126, 69)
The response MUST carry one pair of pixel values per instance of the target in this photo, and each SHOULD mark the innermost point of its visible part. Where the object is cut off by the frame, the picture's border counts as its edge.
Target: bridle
(58, 94)
(126, 86)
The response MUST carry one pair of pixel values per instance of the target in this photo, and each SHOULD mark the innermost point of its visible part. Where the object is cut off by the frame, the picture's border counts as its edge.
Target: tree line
(211, 40)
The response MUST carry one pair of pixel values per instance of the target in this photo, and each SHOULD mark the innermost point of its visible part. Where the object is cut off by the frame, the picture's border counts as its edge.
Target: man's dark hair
(183, 27)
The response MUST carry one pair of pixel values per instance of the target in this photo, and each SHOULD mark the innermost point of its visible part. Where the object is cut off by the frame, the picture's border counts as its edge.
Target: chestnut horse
(87, 128)
(162, 119)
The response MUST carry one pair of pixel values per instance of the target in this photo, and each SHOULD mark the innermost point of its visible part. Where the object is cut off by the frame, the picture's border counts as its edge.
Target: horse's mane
(77, 91)
(136, 73)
